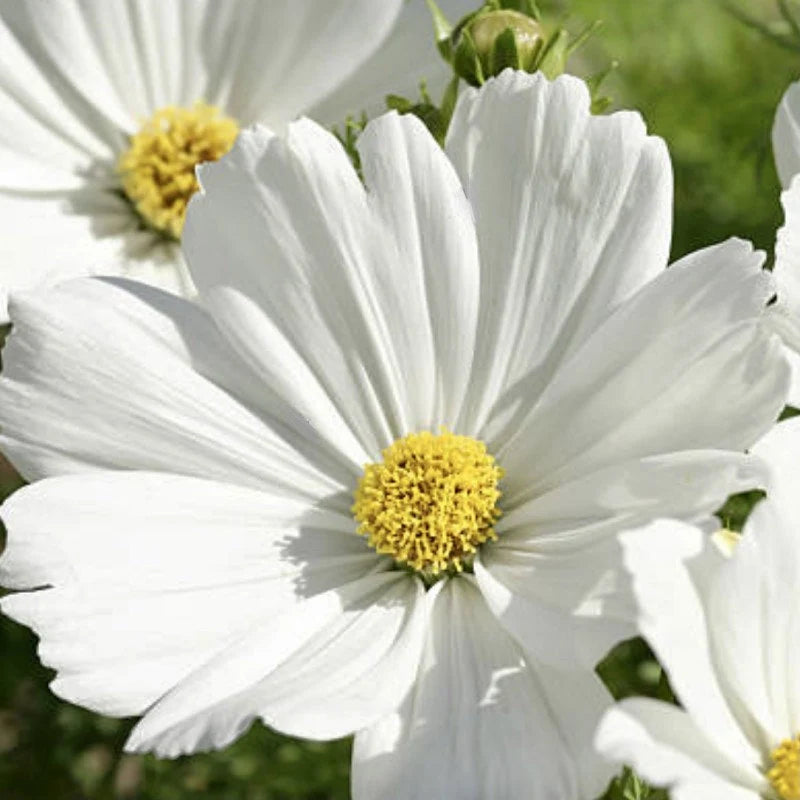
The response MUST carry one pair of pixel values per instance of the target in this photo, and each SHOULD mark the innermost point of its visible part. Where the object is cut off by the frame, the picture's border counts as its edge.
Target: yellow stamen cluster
(785, 772)
(157, 170)
(431, 502)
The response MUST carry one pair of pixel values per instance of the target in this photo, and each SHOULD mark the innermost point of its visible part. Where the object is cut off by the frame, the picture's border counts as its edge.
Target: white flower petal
(87, 232)
(785, 313)
(752, 601)
(481, 721)
(407, 57)
(356, 288)
(287, 224)
(430, 299)
(712, 790)
(686, 363)
(787, 253)
(751, 607)
(780, 449)
(573, 215)
(422, 286)
(725, 629)
(45, 243)
(686, 484)
(272, 356)
(113, 63)
(77, 77)
(567, 608)
(152, 575)
(793, 357)
(555, 577)
(664, 745)
(323, 669)
(577, 700)
(104, 375)
(147, 258)
(54, 96)
(23, 173)
(83, 72)
(268, 60)
(786, 135)
(673, 620)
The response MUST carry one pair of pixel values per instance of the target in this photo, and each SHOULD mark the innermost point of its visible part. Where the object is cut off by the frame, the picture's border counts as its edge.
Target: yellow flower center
(431, 502)
(157, 170)
(785, 772)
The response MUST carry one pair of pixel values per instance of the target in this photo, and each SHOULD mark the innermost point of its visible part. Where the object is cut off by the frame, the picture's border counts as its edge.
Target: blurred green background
(709, 86)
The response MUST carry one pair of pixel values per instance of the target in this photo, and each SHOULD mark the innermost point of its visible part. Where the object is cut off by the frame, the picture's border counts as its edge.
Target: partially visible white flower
(785, 314)
(727, 631)
(786, 135)
(83, 82)
(361, 355)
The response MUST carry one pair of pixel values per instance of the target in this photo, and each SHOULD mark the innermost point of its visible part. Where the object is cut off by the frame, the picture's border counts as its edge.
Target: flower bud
(491, 41)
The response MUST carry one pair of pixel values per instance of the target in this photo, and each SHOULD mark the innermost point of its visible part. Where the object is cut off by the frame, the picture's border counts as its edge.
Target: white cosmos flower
(786, 135)
(195, 530)
(83, 79)
(785, 314)
(728, 634)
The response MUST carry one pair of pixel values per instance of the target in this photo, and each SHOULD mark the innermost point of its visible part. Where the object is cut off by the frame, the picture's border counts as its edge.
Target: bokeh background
(707, 84)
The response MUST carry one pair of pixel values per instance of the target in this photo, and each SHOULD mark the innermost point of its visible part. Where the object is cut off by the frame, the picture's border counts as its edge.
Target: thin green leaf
(441, 30)
(595, 81)
(583, 36)
(553, 60)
